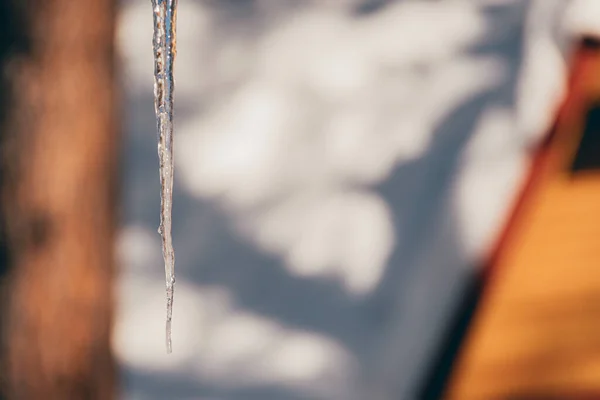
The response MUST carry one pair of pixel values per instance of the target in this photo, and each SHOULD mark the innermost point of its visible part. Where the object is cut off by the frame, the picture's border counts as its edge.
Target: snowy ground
(340, 165)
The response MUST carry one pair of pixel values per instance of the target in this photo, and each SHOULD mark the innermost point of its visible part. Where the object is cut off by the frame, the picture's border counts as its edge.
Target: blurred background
(343, 169)
(341, 166)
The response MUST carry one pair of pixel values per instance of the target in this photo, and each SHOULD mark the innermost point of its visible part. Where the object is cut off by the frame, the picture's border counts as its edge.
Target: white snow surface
(341, 166)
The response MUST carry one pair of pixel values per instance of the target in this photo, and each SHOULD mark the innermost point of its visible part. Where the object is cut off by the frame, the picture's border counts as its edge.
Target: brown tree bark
(58, 162)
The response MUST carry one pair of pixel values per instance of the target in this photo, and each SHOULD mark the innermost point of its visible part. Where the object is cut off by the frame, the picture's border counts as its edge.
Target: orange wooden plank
(537, 331)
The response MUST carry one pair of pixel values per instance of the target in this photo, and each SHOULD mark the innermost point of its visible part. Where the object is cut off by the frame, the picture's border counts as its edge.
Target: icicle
(164, 44)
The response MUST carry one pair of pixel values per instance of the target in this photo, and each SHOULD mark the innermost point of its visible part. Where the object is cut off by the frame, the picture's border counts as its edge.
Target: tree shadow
(420, 292)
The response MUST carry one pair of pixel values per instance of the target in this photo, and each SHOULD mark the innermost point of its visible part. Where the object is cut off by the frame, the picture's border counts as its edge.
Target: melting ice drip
(164, 45)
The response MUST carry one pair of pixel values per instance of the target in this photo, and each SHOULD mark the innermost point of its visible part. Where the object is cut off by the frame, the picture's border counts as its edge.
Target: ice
(164, 45)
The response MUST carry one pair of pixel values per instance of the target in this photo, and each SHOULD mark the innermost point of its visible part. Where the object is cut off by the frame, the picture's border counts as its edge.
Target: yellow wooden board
(536, 334)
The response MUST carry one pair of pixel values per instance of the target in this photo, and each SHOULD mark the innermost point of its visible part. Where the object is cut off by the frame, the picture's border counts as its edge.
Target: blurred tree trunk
(58, 157)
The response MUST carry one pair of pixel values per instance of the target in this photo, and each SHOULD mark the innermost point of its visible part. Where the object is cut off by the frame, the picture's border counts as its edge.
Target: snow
(339, 173)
